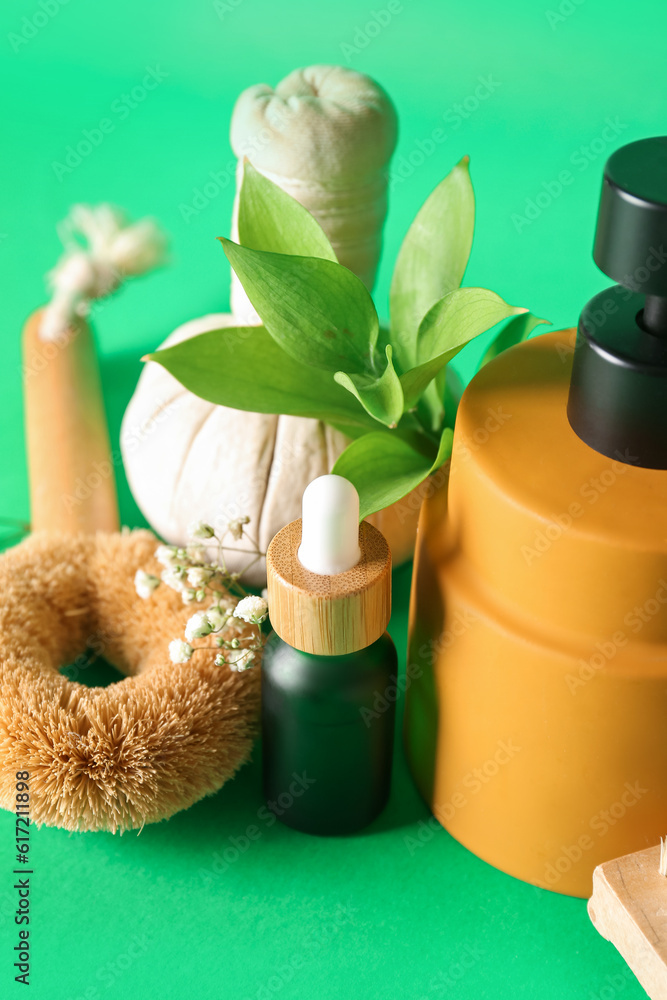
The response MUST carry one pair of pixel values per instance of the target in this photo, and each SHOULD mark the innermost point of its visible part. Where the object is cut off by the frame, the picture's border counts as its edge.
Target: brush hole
(91, 670)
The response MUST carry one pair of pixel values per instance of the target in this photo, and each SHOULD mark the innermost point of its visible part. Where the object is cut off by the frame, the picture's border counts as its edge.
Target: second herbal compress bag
(325, 135)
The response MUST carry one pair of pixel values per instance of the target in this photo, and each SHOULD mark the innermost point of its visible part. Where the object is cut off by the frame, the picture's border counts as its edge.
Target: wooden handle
(72, 481)
(629, 908)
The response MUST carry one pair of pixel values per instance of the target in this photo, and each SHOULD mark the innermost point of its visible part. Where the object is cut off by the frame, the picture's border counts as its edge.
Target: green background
(296, 916)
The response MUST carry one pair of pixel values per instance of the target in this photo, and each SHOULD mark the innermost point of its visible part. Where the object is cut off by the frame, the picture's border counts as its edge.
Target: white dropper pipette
(329, 526)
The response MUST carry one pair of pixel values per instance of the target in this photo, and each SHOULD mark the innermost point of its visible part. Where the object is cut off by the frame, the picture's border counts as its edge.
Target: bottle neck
(653, 317)
(619, 377)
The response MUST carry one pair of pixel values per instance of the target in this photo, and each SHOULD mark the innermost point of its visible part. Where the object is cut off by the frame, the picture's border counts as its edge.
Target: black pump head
(618, 390)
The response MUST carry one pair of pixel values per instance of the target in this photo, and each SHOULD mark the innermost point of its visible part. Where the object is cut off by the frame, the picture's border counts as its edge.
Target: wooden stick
(72, 481)
(629, 908)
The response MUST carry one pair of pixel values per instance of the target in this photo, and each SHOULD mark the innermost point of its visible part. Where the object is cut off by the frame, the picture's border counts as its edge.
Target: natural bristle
(132, 753)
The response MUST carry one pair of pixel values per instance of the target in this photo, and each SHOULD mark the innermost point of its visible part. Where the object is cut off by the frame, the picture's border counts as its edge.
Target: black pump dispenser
(618, 389)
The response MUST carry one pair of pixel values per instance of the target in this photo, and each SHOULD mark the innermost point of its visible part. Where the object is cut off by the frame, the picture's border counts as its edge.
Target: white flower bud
(197, 627)
(199, 529)
(235, 527)
(217, 618)
(240, 659)
(166, 555)
(195, 553)
(198, 576)
(236, 624)
(252, 609)
(179, 651)
(145, 583)
(173, 578)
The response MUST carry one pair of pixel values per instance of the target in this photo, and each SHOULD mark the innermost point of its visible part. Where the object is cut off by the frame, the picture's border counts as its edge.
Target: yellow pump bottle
(536, 716)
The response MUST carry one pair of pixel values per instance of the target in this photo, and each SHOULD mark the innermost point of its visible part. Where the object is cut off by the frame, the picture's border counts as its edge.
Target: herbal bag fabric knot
(325, 135)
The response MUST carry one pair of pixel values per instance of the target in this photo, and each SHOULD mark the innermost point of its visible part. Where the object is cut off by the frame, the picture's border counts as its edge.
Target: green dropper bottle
(327, 747)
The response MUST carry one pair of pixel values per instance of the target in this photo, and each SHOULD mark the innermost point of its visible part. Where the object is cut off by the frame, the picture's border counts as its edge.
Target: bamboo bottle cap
(329, 615)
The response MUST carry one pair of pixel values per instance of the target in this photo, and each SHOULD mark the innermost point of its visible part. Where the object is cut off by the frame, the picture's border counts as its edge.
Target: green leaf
(514, 332)
(452, 390)
(384, 468)
(319, 312)
(432, 259)
(445, 449)
(243, 367)
(445, 330)
(381, 397)
(270, 219)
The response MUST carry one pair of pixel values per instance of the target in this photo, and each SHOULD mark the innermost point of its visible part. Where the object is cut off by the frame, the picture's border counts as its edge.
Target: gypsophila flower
(197, 627)
(226, 602)
(173, 578)
(252, 609)
(166, 555)
(236, 624)
(235, 527)
(145, 583)
(200, 529)
(217, 618)
(195, 553)
(198, 576)
(191, 571)
(240, 659)
(179, 651)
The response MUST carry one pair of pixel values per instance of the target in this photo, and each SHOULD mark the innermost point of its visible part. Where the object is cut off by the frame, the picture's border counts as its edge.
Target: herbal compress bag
(325, 135)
